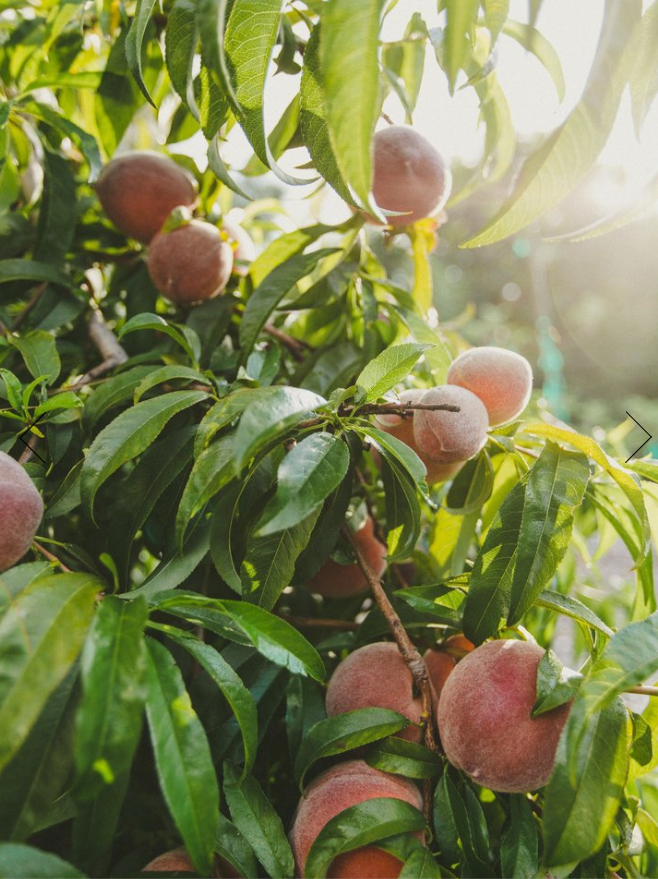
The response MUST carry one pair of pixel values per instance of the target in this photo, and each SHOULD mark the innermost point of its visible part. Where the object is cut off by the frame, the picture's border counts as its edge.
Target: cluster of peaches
(150, 198)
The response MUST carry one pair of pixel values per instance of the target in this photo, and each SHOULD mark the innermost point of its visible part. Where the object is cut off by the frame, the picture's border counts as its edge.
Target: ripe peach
(447, 437)
(340, 787)
(191, 263)
(342, 581)
(402, 428)
(171, 862)
(408, 175)
(138, 191)
(244, 249)
(21, 511)
(375, 676)
(458, 646)
(502, 379)
(439, 666)
(485, 723)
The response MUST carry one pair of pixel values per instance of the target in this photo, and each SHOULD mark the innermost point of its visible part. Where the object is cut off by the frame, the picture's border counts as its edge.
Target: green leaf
(251, 34)
(109, 719)
(420, 865)
(271, 290)
(177, 565)
(201, 610)
(129, 435)
(571, 607)
(495, 16)
(181, 39)
(283, 248)
(134, 40)
(306, 477)
(39, 351)
(36, 777)
(57, 211)
(212, 470)
(460, 26)
(555, 487)
(349, 60)
(491, 578)
(472, 486)
(397, 452)
(186, 338)
(304, 708)
(313, 120)
(401, 757)
(556, 684)
(276, 639)
(553, 171)
(113, 392)
(182, 757)
(236, 694)
(458, 815)
(528, 538)
(358, 826)
(24, 862)
(27, 270)
(235, 848)
(623, 477)
(344, 732)
(168, 374)
(402, 509)
(629, 658)
(269, 562)
(41, 635)
(534, 41)
(224, 413)
(588, 779)
(388, 368)
(256, 819)
(519, 845)
(262, 423)
(85, 141)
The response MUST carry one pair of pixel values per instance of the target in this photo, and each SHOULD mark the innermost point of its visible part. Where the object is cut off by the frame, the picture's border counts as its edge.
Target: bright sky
(451, 123)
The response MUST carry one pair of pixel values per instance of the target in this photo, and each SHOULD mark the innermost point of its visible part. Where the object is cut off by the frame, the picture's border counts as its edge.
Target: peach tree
(242, 459)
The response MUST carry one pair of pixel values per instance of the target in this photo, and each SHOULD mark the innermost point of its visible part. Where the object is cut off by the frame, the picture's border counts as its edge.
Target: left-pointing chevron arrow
(644, 443)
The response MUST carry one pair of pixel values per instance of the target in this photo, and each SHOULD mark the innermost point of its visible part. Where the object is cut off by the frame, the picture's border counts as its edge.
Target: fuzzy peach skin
(178, 860)
(502, 379)
(342, 581)
(448, 437)
(439, 666)
(402, 428)
(191, 263)
(375, 676)
(138, 191)
(340, 787)
(21, 511)
(408, 175)
(485, 723)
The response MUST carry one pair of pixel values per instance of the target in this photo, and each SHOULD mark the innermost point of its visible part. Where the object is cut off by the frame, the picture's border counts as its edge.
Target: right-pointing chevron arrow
(644, 443)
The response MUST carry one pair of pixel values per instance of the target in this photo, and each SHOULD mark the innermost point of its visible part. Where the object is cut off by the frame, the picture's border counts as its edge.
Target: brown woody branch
(402, 409)
(319, 623)
(296, 348)
(409, 653)
(51, 558)
(28, 452)
(108, 345)
(643, 691)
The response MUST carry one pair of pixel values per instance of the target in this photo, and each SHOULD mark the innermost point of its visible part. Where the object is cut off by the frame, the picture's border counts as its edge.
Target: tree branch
(402, 409)
(296, 348)
(319, 623)
(643, 691)
(51, 558)
(407, 648)
(108, 345)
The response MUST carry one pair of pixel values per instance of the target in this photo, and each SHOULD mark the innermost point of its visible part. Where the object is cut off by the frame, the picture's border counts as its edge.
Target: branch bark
(108, 345)
(51, 558)
(409, 651)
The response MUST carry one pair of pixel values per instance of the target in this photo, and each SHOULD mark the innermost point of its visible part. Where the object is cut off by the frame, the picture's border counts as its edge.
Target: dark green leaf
(57, 212)
(39, 351)
(360, 825)
(556, 684)
(134, 40)
(344, 732)
(263, 422)
(308, 474)
(186, 338)
(571, 607)
(182, 757)
(519, 846)
(212, 470)
(420, 865)
(401, 757)
(41, 635)
(114, 391)
(129, 435)
(26, 270)
(25, 862)
(109, 719)
(256, 819)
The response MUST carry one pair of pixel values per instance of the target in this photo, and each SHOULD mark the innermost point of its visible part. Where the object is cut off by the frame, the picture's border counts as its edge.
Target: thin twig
(408, 650)
(643, 691)
(319, 623)
(30, 445)
(296, 348)
(108, 345)
(51, 558)
(402, 409)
